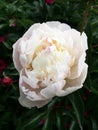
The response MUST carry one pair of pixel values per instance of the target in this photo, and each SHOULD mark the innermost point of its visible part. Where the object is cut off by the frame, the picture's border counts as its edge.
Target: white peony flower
(50, 58)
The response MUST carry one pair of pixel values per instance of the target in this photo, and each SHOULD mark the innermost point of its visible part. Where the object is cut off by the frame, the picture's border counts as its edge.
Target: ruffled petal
(56, 24)
(75, 84)
(16, 55)
(52, 90)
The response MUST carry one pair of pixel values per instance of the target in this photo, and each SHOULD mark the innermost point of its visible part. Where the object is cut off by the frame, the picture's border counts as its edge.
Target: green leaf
(69, 114)
(94, 67)
(94, 87)
(74, 126)
(78, 107)
(2, 26)
(59, 121)
(94, 124)
(7, 45)
(47, 125)
(11, 71)
(35, 120)
(52, 103)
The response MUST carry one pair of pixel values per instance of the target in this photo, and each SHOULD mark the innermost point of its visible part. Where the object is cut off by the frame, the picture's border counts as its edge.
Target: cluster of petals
(50, 58)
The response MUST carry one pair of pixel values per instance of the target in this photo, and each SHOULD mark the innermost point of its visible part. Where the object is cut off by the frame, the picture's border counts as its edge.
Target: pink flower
(2, 38)
(49, 1)
(7, 81)
(3, 65)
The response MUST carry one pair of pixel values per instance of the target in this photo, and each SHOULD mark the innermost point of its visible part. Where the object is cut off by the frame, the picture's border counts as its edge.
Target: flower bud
(49, 1)
(6, 81)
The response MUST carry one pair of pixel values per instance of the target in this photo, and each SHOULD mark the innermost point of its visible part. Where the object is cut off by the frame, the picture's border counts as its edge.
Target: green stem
(85, 16)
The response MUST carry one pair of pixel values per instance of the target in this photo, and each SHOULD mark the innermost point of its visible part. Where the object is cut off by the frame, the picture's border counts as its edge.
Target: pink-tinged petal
(30, 99)
(31, 81)
(16, 55)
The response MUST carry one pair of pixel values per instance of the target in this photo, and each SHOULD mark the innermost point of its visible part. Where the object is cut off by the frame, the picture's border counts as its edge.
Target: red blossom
(6, 81)
(49, 1)
(2, 38)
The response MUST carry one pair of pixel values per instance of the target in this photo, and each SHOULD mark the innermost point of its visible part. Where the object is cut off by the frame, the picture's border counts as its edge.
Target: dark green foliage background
(77, 111)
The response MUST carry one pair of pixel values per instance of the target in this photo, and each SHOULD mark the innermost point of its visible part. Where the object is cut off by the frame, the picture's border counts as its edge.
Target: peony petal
(23, 60)
(51, 90)
(61, 26)
(64, 27)
(77, 68)
(78, 81)
(28, 33)
(24, 101)
(73, 85)
(16, 55)
(67, 91)
(22, 46)
(76, 38)
(48, 92)
(53, 24)
(84, 41)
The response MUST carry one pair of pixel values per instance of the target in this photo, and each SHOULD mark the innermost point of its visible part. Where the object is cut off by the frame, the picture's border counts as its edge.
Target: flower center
(52, 59)
(48, 46)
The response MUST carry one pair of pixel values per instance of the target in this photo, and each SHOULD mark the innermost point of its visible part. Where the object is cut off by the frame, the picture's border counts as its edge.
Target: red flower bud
(49, 1)
(6, 81)
(2, 38)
